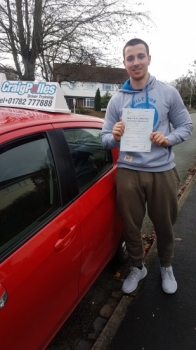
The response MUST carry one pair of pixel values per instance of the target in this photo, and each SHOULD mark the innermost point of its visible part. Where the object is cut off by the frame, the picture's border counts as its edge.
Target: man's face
(136, 61)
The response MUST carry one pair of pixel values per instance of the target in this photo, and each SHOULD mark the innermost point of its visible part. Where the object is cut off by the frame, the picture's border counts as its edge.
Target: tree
(37, 33)
(182, 85)
(192, 85)
(105, 99)
(9, 71)
(186, 85)
(97, 100)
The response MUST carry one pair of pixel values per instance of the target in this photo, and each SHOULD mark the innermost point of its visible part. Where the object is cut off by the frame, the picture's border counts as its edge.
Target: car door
(40, 241)
(101, 226)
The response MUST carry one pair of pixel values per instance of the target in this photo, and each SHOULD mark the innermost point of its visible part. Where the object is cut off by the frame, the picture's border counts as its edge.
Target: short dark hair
(134, 42)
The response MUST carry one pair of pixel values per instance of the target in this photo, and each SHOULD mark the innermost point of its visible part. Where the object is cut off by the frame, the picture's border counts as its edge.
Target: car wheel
(122, 254)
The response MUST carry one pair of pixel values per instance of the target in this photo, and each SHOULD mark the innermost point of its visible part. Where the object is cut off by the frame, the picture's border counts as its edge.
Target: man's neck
(139, 84)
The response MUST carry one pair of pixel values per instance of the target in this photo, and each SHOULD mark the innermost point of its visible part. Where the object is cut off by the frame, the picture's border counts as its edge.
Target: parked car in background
(59, 225)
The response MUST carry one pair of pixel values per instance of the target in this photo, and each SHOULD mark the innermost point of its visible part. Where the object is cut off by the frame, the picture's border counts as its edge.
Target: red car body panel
(47, 276)
(41, 282)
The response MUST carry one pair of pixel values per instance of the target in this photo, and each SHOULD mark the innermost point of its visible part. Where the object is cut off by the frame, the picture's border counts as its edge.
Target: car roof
(12, 119)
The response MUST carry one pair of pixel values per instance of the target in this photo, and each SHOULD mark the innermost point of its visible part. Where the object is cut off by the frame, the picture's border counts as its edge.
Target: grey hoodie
(169, 108)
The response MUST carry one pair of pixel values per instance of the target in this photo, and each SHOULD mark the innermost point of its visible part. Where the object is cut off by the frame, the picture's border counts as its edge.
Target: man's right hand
(118, 130)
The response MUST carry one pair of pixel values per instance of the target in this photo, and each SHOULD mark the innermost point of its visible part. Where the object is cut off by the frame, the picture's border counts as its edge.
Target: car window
(28, 188)
(89, 157)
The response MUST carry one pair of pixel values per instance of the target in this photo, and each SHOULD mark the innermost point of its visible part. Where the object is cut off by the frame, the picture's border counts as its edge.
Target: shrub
(105, 99)
(81, 110)
(97, 100)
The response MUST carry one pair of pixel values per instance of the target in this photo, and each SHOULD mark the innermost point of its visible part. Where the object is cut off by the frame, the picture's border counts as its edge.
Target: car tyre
(122, 254)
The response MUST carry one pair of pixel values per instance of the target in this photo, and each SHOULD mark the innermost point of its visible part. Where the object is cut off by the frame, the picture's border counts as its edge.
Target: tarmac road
(74, 335)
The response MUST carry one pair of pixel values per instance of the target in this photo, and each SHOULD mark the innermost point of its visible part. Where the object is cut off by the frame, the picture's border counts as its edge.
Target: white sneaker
(169, 283)
(132, 280)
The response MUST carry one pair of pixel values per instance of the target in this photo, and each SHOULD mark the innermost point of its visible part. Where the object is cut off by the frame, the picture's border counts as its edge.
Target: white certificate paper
(138, 127)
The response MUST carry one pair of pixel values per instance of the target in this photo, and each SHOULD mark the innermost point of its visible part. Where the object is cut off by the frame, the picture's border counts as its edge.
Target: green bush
(81, 110)
(105, 99)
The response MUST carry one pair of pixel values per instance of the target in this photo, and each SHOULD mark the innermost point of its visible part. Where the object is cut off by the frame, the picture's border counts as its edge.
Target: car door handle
(66, 239)
(3, 296)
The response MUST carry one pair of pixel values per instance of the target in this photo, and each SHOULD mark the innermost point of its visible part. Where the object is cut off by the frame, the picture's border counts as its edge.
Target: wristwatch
(167, 140)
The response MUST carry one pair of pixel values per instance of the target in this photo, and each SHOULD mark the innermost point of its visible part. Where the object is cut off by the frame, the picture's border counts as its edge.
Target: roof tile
(89, 73)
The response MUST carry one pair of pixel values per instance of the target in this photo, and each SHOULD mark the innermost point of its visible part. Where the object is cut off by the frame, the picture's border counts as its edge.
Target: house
(79, 82)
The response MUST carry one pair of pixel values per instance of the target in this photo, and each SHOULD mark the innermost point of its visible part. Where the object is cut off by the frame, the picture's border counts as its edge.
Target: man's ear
(149, 59)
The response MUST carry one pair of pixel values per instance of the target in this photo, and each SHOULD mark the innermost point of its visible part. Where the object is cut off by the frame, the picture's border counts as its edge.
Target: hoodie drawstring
(132, 103)
(147, 101)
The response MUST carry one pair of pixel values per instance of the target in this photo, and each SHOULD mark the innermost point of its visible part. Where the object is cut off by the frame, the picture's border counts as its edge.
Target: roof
(15, 118)
(89, 73)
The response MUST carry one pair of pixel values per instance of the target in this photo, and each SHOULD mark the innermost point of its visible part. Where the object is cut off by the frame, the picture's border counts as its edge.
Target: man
(147, 177)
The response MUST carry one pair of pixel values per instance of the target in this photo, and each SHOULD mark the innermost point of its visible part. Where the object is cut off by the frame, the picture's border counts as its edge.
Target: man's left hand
(159, 139)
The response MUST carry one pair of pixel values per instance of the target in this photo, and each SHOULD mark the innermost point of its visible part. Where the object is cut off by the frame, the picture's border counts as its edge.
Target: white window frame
(108, 87)
(73, 85)
(89, 102)
(89, 86)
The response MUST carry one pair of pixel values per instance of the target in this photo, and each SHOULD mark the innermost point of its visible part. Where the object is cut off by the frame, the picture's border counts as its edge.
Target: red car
(59, 224)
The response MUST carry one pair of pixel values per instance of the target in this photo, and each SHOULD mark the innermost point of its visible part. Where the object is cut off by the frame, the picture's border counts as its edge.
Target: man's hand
(118, 130)
(159, 139)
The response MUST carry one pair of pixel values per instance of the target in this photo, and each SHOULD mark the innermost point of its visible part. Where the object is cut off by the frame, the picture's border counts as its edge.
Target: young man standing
(147, 177)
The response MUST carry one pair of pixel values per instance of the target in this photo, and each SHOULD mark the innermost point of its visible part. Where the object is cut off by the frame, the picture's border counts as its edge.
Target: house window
(70, 102)
(89, 86)
(72, 85)
(108, 87)
(89, 102)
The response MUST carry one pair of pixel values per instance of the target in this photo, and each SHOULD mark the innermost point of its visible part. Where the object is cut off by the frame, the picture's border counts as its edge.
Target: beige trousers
(157, 191)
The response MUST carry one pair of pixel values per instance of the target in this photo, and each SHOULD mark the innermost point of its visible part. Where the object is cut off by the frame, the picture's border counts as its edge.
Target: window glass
(70, 102)
(108, 87)
(72, 85)
(89, 157)
(89, 86)
(89, 102)
(28, 188)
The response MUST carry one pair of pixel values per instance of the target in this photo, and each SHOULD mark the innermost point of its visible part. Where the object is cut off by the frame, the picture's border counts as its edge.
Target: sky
(172, 41)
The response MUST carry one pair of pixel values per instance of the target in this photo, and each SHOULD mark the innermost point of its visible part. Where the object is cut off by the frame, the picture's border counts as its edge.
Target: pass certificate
(138, 127)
